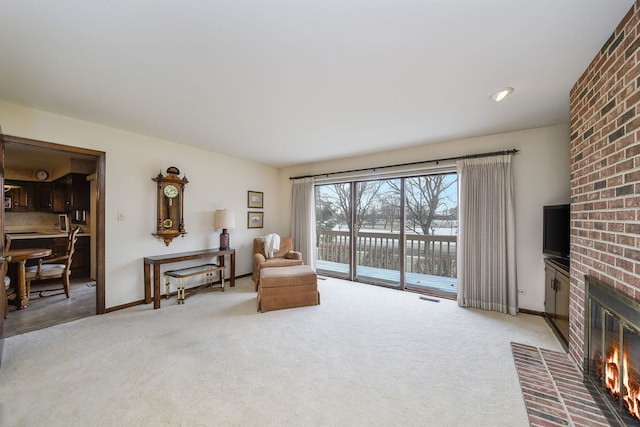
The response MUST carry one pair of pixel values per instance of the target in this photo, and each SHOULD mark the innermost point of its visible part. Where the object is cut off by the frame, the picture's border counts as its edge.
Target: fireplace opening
(612, 356)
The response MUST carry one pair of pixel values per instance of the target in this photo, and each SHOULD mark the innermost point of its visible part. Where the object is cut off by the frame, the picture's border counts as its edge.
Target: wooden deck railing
(433, 255)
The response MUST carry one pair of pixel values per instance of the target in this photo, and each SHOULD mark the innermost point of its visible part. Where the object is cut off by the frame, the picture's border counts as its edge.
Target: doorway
(22, 158)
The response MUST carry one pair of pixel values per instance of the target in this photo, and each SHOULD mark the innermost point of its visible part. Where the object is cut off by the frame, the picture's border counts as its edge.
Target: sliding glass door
(378, 221)
(333, 229)
(431, 233)
(398, 232)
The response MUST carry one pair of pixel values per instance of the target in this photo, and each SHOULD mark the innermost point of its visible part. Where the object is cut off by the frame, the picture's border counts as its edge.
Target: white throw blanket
(271, 244)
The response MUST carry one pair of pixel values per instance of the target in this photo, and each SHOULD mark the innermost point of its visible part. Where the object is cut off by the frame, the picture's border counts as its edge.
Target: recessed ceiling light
(501, 94)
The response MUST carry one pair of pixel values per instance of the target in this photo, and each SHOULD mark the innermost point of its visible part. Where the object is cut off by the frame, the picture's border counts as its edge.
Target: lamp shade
(223, 218)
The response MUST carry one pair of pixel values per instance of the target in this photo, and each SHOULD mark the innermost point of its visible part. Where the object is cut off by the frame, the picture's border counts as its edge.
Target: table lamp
(224, 219)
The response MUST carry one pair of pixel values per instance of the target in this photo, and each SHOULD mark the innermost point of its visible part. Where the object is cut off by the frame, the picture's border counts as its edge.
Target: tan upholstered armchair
(285, 257)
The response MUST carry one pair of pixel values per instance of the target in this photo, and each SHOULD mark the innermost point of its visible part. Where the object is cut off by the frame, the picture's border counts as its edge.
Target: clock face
(170, 191)
(42, 174)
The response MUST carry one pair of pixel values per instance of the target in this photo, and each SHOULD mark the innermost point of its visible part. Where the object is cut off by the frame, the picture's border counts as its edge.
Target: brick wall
(605, 172)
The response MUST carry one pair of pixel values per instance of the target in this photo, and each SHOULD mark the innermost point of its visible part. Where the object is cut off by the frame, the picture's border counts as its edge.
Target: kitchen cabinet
(81, 262)
(67, 194)
(71, 193)
(19, 196)
(556, 297)
(44, 196)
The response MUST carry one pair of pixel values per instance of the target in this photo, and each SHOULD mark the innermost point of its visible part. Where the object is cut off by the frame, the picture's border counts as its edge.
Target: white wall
(215, 181)
(541, 174)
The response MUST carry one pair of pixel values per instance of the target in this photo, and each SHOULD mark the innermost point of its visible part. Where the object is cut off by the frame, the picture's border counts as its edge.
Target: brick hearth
(553, 391)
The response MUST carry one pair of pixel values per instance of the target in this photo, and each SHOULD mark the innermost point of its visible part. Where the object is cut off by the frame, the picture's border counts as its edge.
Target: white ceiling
(286, 82)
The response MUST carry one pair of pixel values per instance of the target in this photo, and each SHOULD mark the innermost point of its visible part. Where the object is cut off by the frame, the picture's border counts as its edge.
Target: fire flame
(631, 392)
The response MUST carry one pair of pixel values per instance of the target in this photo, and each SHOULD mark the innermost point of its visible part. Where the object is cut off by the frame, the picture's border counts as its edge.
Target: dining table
(20, 257)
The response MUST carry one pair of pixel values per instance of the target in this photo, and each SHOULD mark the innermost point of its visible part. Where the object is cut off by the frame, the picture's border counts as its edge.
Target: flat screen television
(555, 226)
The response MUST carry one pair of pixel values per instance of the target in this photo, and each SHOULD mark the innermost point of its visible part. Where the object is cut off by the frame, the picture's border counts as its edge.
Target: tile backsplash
(44, 221)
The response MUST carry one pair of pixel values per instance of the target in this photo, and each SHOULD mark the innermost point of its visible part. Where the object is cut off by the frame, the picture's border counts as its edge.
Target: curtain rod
(468, 156)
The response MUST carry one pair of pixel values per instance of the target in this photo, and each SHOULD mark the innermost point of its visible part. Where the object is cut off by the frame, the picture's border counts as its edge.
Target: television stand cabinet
(556, 297)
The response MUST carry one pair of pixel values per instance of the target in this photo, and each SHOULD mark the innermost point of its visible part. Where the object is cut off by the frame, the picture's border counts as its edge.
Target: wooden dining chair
(54, 268)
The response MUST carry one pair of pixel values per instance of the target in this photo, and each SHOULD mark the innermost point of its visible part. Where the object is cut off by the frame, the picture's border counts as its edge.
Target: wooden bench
(208, 270)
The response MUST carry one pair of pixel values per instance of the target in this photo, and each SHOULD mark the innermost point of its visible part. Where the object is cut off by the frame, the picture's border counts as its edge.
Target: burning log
(613, 375)
(630, 390)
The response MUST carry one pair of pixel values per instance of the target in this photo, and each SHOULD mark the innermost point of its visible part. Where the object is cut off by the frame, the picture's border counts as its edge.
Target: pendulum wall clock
(170, 221)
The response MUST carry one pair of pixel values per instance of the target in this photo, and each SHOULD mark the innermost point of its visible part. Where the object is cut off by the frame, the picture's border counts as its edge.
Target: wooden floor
(445, 286)
(53, 307)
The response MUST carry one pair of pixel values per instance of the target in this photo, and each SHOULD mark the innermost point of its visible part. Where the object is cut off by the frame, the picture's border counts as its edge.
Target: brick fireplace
(612, 352)
(605, 174)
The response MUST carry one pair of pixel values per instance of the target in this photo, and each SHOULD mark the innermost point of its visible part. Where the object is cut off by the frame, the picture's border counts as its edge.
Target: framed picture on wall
(255, 219)
(63, 223)
(255, 199)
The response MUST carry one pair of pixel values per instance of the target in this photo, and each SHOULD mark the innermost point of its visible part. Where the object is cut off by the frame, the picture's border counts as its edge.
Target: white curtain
(303, 219)
(486, 235)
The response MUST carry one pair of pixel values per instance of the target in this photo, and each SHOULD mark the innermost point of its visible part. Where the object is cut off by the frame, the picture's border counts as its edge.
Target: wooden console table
(158, 260)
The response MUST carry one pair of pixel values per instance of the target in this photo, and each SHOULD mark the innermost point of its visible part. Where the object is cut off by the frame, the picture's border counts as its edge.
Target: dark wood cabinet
(67, 194)
(20, 196)
(44, 196)
(81, 262)
(556, 297)
(71, 193)
(59, 196)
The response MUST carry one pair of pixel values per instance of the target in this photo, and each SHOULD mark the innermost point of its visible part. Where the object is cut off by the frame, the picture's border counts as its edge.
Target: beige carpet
(368, 356)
